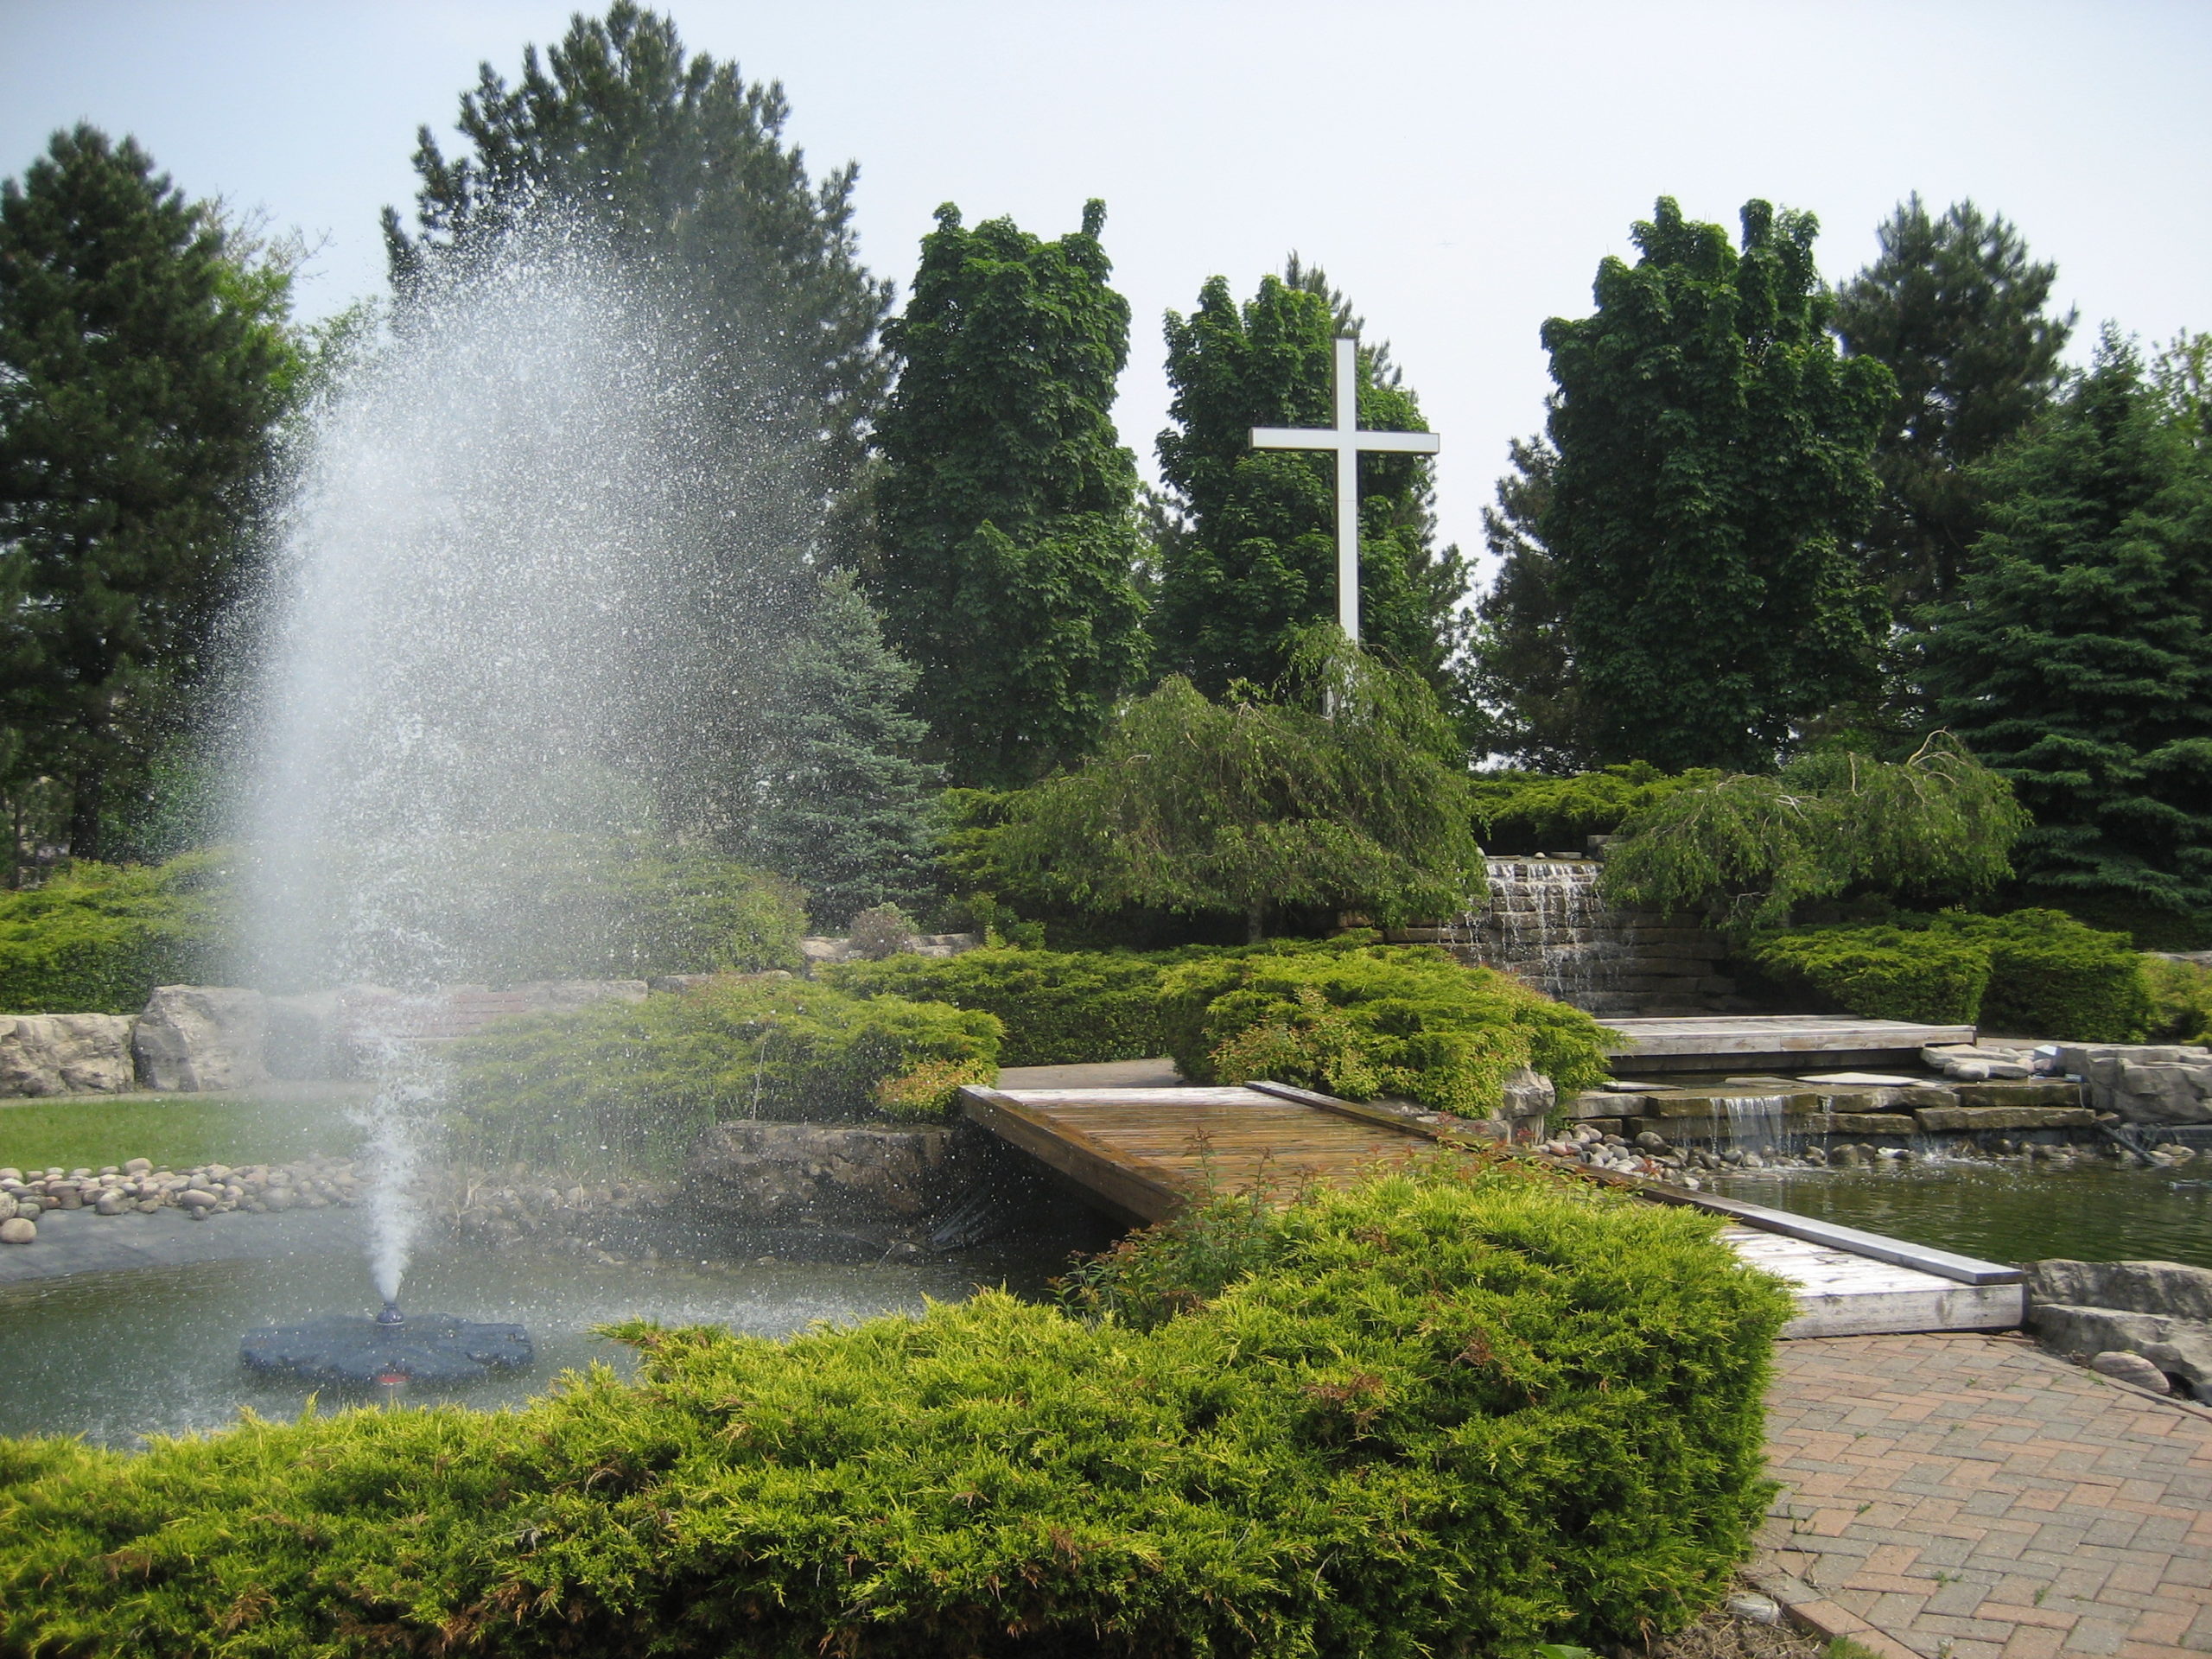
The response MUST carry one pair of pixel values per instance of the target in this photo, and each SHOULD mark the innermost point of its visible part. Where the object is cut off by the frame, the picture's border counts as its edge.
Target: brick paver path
(1968, 1496)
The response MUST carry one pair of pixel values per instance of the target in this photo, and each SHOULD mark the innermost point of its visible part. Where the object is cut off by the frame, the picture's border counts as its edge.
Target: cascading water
(1546, 922)
(496, 534)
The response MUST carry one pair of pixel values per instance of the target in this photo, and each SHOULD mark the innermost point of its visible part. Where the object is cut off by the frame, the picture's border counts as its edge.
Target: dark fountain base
(387, 1350)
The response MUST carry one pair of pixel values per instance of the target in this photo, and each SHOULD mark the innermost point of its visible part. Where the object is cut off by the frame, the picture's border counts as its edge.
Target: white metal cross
(1346, 438)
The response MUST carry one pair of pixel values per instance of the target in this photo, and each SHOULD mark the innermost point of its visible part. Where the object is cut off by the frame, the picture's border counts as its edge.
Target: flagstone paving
(1969, 1497)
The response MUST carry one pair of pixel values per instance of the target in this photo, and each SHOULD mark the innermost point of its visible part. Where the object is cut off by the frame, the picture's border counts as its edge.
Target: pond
(118, 1356)
(2005, 1211)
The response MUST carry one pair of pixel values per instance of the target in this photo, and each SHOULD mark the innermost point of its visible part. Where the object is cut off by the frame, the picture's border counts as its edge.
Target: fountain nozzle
(392, 1315)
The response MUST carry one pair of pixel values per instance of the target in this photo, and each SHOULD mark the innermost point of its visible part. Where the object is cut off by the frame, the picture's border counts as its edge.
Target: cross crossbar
(1348, 439)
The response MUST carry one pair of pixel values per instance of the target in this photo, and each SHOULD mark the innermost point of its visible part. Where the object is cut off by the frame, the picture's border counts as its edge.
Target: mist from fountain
(476, 632)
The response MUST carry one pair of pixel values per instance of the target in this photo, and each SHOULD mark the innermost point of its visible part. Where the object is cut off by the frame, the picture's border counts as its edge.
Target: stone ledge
(1952, 1119)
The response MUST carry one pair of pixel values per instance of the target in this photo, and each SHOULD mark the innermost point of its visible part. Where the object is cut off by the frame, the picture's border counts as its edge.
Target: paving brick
(1971, 1497)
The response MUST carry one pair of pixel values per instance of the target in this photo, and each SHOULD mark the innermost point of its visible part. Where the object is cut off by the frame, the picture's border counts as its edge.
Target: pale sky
(1458, 170)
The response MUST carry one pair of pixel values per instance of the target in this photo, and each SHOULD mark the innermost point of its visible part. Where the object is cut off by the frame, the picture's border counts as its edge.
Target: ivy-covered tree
(1715, 466)
(142, 362)
(1346, 789)
(1257, 566)
(2077, 659)
(680, 164)
(845, 805)
(1954, 307)
(1006, 508)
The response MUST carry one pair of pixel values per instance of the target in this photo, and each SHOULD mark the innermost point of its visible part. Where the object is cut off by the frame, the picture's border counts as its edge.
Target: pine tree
(1954, 309)
(1257, 566)
(1713, 467)
(142, 365)
(681, 164)
(1007, 510)
(846, 807)
(2077, 659)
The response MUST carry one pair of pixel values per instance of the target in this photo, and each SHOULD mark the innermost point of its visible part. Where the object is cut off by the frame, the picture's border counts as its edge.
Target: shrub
(1059, 1008)
(97, 939)
(1528, 812)
(642, 1078)
(2181, 999)
(880, 931)
(1252, 803)
(2035, 972)
(2051, 977)
(1437, 1416)
(1383, 1020)
(1747, 850)
(1882, 972)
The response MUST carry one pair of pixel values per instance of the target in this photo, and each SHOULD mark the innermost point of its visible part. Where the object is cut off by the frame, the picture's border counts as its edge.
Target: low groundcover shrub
(1059, 1008)
(640, 1079)
(1453, 1415)
(1401, 1021)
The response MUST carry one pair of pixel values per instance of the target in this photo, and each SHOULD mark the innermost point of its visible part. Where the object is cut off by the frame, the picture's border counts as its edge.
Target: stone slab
(1953, 1119)
(1763, 1033)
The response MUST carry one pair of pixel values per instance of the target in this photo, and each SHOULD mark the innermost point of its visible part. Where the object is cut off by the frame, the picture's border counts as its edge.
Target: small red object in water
(391, 1379)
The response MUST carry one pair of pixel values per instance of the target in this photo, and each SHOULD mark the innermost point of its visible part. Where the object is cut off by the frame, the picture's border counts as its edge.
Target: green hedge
(1441, 1416)
(97, 939)
(2180, 1000)
(1059, 1008)
(1401, 1021)
(1881, 973)
(1529, 812)
(2052, 977)
(642, 1078)
(2030, 972)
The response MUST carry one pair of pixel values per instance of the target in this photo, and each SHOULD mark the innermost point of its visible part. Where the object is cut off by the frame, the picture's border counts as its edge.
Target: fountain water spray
(498, 569)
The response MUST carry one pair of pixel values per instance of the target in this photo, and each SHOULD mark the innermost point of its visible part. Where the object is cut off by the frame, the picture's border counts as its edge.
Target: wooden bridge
(1142, 1153)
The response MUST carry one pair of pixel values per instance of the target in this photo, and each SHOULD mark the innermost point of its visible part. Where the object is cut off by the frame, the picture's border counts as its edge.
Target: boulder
(1530, 1098)
(194, 1038)
(18, 1231)
(2143, 1082)
(306, 1039)
(2170, 1288)
(65, 1054)
(762, 1172)
(2131, 1369)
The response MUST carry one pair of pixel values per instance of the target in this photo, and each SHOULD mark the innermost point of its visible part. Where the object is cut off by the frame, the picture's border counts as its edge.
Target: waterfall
(1545, 923)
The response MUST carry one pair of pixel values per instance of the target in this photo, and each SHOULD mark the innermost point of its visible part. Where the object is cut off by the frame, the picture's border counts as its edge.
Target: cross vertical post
(1346, 438)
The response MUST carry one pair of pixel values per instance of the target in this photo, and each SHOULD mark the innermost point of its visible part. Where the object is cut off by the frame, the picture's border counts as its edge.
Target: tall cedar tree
(1714, 465)
(680, 162)
(1006, 509)
(1521, 677)
(1954, 308)
(847, 807)
(140, 373)
(1257, 566)
(2078, 658)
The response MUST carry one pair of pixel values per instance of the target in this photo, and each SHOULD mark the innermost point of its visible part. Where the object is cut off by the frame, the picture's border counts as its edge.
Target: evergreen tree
(1713, 466)
(845, 805)
(2078, 658)
(1006, 509)
(1521, 677)
(680, 163)
(1258, 565)
(141, 364)
(1350, 789)
(1954, 309)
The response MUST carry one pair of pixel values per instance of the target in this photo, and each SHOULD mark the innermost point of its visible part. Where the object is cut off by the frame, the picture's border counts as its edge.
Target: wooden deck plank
(1146, 1152)
(1723, 1034)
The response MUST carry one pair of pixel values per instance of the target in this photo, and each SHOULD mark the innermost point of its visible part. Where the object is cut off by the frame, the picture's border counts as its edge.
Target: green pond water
(118, 1356)
(2007, 1211)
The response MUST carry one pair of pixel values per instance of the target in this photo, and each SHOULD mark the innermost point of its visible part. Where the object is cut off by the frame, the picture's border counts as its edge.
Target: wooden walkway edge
(1143, 1153)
